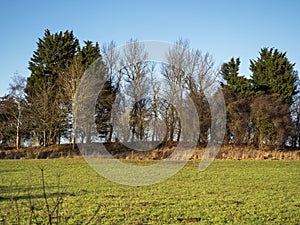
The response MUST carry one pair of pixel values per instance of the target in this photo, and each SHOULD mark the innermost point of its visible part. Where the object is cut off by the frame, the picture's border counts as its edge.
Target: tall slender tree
(135, 72)
(69, 81)
(107, 96)
(16, 91)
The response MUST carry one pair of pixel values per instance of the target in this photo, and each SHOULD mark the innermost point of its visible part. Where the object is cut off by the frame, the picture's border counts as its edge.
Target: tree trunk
(18, 138)
(179, 131)
(260, 141)
(111, 130)
(18, 126)
(45, 138)
(172, 125)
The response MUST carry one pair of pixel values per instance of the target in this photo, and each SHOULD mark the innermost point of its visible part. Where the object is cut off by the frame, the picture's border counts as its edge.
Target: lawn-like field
(233, 192)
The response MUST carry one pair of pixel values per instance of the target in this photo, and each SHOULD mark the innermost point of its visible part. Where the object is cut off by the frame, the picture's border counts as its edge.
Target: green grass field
(233, 192)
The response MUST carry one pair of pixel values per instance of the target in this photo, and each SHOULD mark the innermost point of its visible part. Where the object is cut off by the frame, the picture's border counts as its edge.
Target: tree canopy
(54, 52)
(274, 74)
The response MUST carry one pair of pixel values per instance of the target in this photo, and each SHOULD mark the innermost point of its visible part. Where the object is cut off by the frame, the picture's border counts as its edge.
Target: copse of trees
(262, 110)
(259, 107)
(56, 68)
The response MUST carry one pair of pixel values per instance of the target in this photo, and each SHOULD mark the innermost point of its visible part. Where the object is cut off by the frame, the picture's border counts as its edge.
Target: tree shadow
(8, 193)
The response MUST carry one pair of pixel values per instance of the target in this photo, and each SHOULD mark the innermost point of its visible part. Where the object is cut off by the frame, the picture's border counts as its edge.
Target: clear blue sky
(228, 28)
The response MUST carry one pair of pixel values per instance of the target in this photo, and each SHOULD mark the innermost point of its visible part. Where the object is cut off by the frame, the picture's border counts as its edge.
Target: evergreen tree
(272, 121)
(53, 55)
(233, 81)
(274, 74)
(89, 53)
(103, 108)
(269, 92)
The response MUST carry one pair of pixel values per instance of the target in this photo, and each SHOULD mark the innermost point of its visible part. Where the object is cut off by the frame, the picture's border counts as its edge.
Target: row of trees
(146, 101)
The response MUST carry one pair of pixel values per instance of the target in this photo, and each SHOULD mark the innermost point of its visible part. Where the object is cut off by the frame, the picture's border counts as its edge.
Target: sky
(223, 28)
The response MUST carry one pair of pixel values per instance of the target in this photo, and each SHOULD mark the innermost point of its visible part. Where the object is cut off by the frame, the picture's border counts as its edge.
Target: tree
(135, 72)
(258, 108)
(13, 112)
(103, 107)
(190, 75)
(54, 54)
(45, 113)
(232, 80)
(295, 115)
(238, 120)
(89, 53)
(16, 91)
(272, 121)
(175, 73)
(274, 74)
(69, 79)
(157, 113)
(236, 89)
(7, 120)
(109, 91)
(201, 78)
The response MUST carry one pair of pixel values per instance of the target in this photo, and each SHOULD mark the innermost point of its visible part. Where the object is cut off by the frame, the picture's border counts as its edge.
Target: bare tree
(202, 85)
(45, 112)
(111, 59)
(156, 118)
(135, 72)
(190, 74)
(17, 108)
(69, 81)
(175, 73)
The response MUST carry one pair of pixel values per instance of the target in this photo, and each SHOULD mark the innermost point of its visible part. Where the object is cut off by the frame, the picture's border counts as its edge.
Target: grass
(232, 192)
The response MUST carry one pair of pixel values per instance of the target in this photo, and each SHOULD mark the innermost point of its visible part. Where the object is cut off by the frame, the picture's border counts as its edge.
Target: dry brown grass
(121, 152)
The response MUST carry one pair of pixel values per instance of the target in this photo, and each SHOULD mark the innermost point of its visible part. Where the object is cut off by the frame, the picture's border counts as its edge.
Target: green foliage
(238, 115)
(7, 106)
(56, 69)
(274, 74)
(203, 112)
(233, 192)
(89, 53)
(272, 121)
(103, 110)
(54, 52)
(53, 55)
(267, 96)
(257, 108)
(236, 83)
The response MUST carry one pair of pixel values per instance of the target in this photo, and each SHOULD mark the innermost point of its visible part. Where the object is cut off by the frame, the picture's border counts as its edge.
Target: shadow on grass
(24, 193)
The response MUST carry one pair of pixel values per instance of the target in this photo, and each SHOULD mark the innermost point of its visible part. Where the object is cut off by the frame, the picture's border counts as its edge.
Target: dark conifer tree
(274, 74)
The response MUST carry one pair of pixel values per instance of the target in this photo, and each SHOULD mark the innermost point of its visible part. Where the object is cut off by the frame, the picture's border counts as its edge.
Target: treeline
(144, 101)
